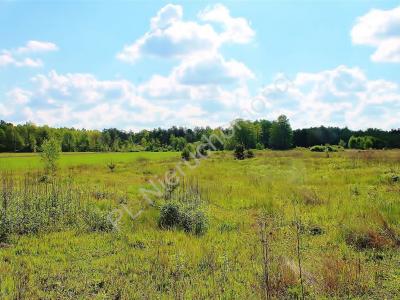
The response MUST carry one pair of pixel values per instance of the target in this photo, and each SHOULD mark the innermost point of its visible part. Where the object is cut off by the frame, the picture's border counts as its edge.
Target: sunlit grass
(348, 206)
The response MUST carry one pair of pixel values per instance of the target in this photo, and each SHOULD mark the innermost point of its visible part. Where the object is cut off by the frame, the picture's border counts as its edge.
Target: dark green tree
(281, 134)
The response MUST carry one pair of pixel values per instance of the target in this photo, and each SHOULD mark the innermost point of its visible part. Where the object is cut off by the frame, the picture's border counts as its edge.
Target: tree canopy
(251, 134)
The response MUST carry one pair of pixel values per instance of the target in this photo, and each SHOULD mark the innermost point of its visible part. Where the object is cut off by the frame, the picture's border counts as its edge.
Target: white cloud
(166, 16)
(37, 46)
(212, 69)
(19, 57)
(379, 29)
(342, 96)
(19, 96)
(236, 30)
(172, 37)
(6, 59)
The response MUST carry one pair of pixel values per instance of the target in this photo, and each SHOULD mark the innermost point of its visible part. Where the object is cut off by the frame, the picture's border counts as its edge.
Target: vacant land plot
(285, 224)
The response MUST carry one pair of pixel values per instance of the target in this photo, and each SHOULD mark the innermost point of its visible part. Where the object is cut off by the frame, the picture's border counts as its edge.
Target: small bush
(202, 152)
(249, 154)
(259, 146)
(97, 220)
(193, 221)
(326, 148)
(111, 166)
(318, 148)
(239, 152)
(51, 150)
(366, 239)
(186, 217)
(4, 229)
(329, 148)
(169, 215)
(187, 153)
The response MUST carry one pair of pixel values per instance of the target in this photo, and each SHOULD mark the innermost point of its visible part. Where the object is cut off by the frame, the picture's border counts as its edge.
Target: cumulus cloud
(343, 96)
(19, 57)
(213, 69)
(379, 29)
(172, 37)
(236, 30)
(82, 100)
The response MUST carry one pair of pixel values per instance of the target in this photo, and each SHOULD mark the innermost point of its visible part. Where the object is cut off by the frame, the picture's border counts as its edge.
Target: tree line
(259, 134)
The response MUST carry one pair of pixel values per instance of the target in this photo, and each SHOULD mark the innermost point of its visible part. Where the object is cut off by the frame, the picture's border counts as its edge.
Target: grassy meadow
(283, 225)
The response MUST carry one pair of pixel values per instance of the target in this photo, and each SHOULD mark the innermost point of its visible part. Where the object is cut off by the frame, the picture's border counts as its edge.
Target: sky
(144, 64)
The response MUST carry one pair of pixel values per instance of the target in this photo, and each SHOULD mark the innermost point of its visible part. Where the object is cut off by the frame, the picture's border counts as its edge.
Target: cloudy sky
(135, 65)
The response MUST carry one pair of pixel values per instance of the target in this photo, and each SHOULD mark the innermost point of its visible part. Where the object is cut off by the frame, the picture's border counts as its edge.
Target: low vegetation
(283, 225)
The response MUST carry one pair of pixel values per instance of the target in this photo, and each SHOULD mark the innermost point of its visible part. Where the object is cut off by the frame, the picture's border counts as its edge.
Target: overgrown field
(283, 225)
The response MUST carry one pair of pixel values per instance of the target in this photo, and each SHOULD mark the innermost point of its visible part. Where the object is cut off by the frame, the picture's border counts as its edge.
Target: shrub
(201, 152)
(4, 228)
(111, 166)
(363, 239)
(189, 218)
(192, 220)
(50, 154)
(187, 152)
(97, 220)
(326, 148)
(239, 152)
(29, 208)
(330, 148)
(249, 154)
(259, 146)
(169, 215)
(318, 148)
(342, 144)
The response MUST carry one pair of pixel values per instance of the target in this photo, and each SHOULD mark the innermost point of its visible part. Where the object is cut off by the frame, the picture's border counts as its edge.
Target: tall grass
(34, 204)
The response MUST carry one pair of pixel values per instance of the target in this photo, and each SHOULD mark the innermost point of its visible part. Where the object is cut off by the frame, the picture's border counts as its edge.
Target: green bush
(193, 221)
(187, 152)
(249, 154)
(326, 148)
(202, 152)
(318, 148)
(189, 218)
(239, 152)
(97, 220)
(4, 228)
(169, 215)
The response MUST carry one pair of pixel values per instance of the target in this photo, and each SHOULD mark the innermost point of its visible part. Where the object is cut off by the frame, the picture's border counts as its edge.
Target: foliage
(111, 166)
(30, 207)
(239, 152)
(249, 154)
(362, 142)
(244, 133)
(318, 148)
(326, 148)
(281, 134)
(50, 155)
(187, 152)
(30, 137)
(342, 143)
(186, 217)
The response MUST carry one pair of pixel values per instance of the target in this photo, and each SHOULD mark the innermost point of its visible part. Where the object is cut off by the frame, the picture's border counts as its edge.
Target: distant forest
(258, 134)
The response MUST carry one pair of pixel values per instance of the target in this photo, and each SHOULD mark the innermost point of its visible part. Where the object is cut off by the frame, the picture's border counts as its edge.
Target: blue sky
(147, 64)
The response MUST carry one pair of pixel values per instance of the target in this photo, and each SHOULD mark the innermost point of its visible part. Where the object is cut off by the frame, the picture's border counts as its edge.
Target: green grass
(26, 161)
(341, 201)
